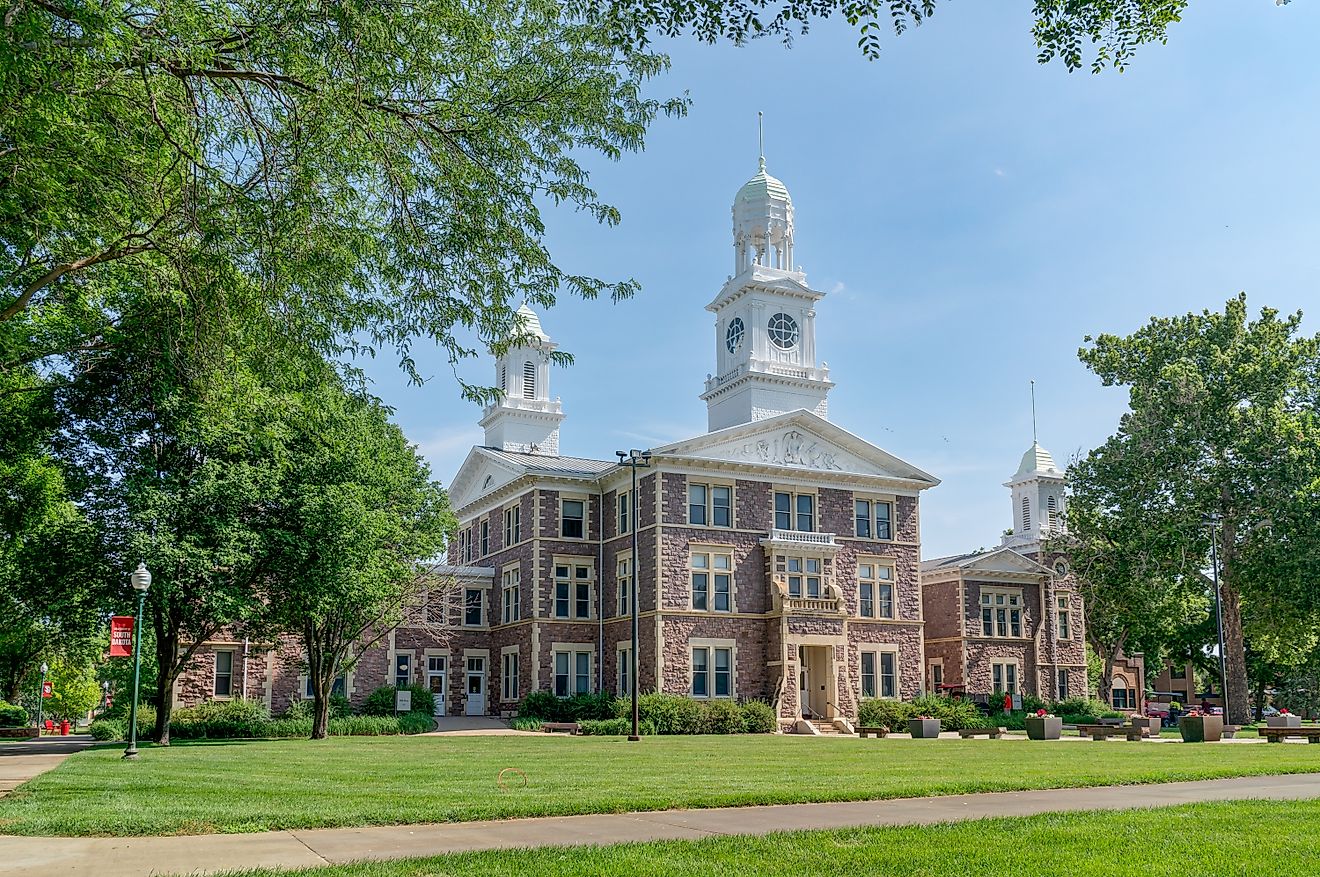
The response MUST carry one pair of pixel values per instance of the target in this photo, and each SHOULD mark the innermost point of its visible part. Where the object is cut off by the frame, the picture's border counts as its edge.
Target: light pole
(41, 696)
(140, 580)
(633, 459)
(1212, 521)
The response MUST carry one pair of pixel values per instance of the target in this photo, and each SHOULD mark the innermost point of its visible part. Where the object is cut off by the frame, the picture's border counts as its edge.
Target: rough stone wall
(751, 675)
(752, 505)
(836, 511)
(646, 500)
(1030, 607)
(951, 653)
(907, 637)
(982, 653)
(907, 523)
(940, 601)
(673, 497)
(751, 592)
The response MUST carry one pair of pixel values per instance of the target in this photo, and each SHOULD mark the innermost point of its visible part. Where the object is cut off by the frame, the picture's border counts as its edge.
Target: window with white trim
(509, 676)
(711, 576)
(485, 538)
(573, 583)
(1026, 513)
(402, 670)
(1051, 512)
(511, 595)
(1062, 679)
(572, 672)
(712, 671)
(795, 511)
(879, 673)
(624, 661)
(473, 607)
(936, 678)
(1005, 678)
(623, 511)
(512, 526)
(806, 575)
(1001, 613)
(1063, 616)
(710, 505)
(875, 590)
(572, 517)
(339, 687)
(624, 575)
(529, 380)
(873, 519)
(224, 674)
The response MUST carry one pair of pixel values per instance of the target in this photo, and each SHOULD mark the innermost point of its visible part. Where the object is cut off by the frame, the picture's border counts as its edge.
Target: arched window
(1051, 513)
(529, 380)
(1026, 513)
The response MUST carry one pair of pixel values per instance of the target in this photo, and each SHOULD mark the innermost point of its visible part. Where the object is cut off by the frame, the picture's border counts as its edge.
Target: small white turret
(525, 420)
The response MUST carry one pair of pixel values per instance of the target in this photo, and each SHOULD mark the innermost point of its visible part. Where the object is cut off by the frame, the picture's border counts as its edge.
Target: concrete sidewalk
(21, 760)
(140, 856)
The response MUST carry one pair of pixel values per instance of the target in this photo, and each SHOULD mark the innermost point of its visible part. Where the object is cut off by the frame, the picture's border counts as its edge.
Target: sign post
(403, 700)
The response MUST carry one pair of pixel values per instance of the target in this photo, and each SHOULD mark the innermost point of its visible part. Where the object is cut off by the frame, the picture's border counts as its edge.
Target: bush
(668, 713)
(106, 729)
(605, 727)
(545, 706)
(364, 726)
(1079, 706)
(1014, 721)
(381, 701)
(722, 717)
(526, 723)
(340, 708)
(758, 717)
(416, 723)
(12, 715)
(540, 705)
(220, 720)
(1031, 703)
(892, 714)
(953, 714)
(286, 727)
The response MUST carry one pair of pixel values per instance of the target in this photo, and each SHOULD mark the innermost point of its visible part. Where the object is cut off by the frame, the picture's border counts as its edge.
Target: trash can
(64, 728)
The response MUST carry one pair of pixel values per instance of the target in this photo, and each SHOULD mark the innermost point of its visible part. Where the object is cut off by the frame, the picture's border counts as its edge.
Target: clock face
(733, 336)
(1061, 568)
(783, 331)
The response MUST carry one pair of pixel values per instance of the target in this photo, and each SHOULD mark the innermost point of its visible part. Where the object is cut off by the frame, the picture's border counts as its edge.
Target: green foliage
(381, 701)
(416, 723)
(74, 690)
(879, 712)
(12, 715)
(220, 719)
(545, 706)
(758, 717)
(1013, 721)
(605, 727)
(526, 723)
(1074, 706)
(340, 707)
(106, 729)
(722, 717)
(667, 713)
(953, 714)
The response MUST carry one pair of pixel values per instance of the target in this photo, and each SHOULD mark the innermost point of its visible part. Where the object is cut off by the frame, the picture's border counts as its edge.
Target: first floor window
(625, 585)
(625, 668)
(712, 672)
(402, 670)
(1123, 699)
(572, 673)
(1063, 685)
(472, 607)
(1005, 678)
(868, 674)
(1064, 617)
(879, 672)
(888, 674)
(338, 688)
(509, 676)
(936, 677)
(224, 674)
(701, 672)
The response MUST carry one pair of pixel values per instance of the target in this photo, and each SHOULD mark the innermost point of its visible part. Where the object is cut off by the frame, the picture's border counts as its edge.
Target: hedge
(245, 719)
(894, 714)
(545, 706)
(381, 701)
(12, 715)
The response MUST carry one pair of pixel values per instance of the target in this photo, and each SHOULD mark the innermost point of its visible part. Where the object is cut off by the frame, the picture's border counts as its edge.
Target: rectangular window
(561, 674)
(701, 672)
(866, 600)
(862, 519)
(512, 526)
(721, 502)
(884, 513)
(697, 498)
(623, 513)
(1005, 678)
(812, 565)
(1064, 617)
(582, 672)
(723, 672)
(572, 673)
(224, 674)
(561, 599)
(710, 575)
(888, 674)
(472, 607)
(1123, 700)
(582, 600)
(700, 590)
(625, 585)
(936, 678)
(875, 582)
(625, 667)
(1001, 614)
(511, 598)
(485, 538)
(806, 513)
(509, 676)
(783, 511)
(402, 670)
(1063, 685)
(573, 584)
(723, 598)
(868, 674)
(572, 514)
(339, 687)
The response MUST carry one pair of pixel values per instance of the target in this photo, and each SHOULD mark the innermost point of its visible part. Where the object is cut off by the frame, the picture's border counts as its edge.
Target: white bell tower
(765, 318)
(1039, 501)
(525, 420)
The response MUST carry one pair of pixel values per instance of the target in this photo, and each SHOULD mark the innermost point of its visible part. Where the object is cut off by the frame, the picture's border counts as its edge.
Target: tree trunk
(320, 670)
(1235, 657)
(167, 656)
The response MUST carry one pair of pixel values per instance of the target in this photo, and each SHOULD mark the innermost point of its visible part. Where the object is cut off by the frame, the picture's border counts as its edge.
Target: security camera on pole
(141, 581)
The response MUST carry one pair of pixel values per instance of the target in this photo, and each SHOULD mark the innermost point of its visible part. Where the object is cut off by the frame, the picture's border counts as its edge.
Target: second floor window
(1065, 617)
(712, 581)
(875, 590)
(512, 526)
(572, 515)
(511, 597)
(795, 511)
(1001, 614)
(485, 538)
(573, 590)
(623, 513)
(472, 607)
(804, 576)
(625, 585)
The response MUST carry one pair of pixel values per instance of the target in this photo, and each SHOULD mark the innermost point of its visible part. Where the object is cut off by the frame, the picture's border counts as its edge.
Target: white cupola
(765, 317)
(525, 420)
(1039, 501)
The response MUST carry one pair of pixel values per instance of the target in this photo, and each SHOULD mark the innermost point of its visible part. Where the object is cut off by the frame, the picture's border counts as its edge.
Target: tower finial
(760, 135)
(1033, 412)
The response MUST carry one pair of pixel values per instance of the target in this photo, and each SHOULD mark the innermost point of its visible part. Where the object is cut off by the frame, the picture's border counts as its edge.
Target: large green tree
(1222, 439)
(354, 520)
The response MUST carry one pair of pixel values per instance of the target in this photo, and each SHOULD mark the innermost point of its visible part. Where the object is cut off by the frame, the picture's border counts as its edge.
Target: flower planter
(1201, 729)
(924, 727)
(1153, 723)
(1283, 722)
(1044, 727)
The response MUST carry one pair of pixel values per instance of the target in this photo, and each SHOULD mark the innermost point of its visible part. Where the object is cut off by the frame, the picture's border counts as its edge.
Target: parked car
(1156, 711)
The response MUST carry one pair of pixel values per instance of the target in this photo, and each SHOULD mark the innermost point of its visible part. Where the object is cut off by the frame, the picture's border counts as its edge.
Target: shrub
(381, 701)
(526, 723)
(1079, 706)
(416, 723)
(12, 715)
(892, 714)
(598, 705)
(722, 717)
(287, 727)
(758, 717)
(953, 714)
(1031, 703)
(220, 720)
(605, 727)
(1014, 721)
(340, 708)
(540, 705)
(106, 729)
(365, 726)
(669, 713)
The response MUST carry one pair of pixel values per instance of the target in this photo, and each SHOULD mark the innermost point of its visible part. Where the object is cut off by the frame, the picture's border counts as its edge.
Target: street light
(41, 695)
(633, 459)
(1212, 522)
(141, 581)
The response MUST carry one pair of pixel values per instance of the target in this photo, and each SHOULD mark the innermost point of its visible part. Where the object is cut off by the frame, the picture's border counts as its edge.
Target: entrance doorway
(435, 680)
(475, 704)
(816, 682)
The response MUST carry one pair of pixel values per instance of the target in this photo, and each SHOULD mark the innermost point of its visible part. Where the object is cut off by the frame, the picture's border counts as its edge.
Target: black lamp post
(1212, 521)
(41, 696)
(633, 459)
(141, 581)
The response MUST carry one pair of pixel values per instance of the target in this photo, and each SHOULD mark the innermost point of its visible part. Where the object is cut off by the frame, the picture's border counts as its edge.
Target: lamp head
(140, 579)
(622, 455)
(45, 668)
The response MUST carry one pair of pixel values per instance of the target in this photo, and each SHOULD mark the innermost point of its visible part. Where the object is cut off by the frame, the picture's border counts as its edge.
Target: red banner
(47, 689)
(121, 636)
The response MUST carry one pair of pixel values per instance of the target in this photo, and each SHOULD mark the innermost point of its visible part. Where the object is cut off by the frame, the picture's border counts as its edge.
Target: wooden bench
(571, 728)
(876, 731)
(992, 733)
(1276, 735)
(1230, 731)
(1096, 732)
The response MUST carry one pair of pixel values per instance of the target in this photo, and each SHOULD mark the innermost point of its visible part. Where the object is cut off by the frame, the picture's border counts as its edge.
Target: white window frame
(879, 651)
(485, 537)
(395, 661)
(877, 582)
(1000, 669)
(511, 594)
(1063, 616)
(803, 574)
(574, 651)
(563, 519)
(623, 572)
(713, 562)
(512, 525)
(708, 506)
(624, 519)
(216, 675)
(1008, 601)
(872, 518)
(509, 672)
(794, 515)
(622, 667)
(573, 564)
(711, 648)
(481, 605)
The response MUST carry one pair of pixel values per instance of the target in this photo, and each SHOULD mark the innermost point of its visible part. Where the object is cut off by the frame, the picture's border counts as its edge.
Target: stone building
(1009, 620)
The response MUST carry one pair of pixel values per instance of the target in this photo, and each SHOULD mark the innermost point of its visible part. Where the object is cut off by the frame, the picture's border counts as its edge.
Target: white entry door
(435, 680)
(476, 687)
(804, 687)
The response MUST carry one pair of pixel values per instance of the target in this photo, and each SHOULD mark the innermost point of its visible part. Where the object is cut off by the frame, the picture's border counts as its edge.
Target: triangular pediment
(759, 278)
(481, 473)
(799, 440)
(1002, 560)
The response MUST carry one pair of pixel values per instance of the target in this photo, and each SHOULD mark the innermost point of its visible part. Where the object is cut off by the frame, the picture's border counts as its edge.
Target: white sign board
(403, 701)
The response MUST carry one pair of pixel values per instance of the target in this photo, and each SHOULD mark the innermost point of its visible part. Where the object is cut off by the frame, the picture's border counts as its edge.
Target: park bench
(992, 733)
(876, 731)
(1230, 731)
(572, 728)
(1276, 735)
(1133, 733)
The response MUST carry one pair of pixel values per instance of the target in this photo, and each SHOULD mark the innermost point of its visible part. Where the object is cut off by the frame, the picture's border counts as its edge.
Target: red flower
(1284, 711)
(1040, 713)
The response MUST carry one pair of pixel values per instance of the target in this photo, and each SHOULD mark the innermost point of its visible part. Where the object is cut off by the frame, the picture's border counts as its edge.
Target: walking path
(21, 760)
(141, 856)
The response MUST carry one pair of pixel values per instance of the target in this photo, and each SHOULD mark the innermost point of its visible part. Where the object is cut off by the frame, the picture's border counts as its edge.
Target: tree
(356, 517)
(74, 689)
(1063, 28)
(1222, 421)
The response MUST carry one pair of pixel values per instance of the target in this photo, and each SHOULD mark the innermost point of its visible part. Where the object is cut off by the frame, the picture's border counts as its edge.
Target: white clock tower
(525, 419)
(765, 318)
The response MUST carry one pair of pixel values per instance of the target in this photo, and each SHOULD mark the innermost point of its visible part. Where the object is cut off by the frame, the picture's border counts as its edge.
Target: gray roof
(951, 561)
(544, 464)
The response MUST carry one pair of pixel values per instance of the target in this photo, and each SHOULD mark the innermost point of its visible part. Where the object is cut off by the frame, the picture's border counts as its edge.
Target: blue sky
(972, 216)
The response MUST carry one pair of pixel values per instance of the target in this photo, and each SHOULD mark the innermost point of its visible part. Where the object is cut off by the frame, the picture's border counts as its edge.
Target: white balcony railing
(799, 537)
(812, 604)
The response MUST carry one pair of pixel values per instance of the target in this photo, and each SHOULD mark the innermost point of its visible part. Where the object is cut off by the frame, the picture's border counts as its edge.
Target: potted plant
(1198, 728)
(1149, 724)
(924, 726)
(1284, 719)
(1043, 726)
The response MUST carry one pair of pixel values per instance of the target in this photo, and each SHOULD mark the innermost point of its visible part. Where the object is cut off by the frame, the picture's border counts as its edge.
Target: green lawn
(1221, 839)
(253, 786)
